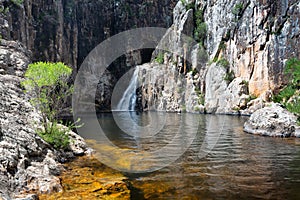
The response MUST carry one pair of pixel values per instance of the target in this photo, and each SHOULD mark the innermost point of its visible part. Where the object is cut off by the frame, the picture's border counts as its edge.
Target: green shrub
(201, 100)
(292, 69)
(224, 63)
(189, 6)
(200, 32)
(58, 137)
(160, 58)
(293, 106)
(4, 10)
(199, 16)
(197, 108)
(48, 85)
(183, 2)
(229, 76)
(285, 94)
(222, 45)
(17, 2)
(244, 82)
(237, 9)
(213, 61)
(200, 29)
(250, 98)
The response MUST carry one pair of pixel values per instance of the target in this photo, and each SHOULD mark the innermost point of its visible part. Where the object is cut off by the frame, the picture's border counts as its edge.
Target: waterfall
(128, 101)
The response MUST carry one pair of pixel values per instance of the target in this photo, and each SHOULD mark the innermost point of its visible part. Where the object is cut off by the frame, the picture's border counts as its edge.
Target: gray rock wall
(68, 30)
(253, 37)
(27, 163)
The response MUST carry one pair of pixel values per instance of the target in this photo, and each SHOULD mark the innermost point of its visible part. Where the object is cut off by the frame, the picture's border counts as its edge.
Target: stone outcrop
(27, 163)
(240, 60)
(256, 38)
(164, 88)
(273, 120)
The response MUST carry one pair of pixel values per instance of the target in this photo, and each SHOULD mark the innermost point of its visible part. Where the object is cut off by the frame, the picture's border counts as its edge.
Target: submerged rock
(87, 178)
(272, 120)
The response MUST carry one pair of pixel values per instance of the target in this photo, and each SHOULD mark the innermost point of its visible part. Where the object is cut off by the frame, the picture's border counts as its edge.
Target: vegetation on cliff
(48, 85)
(289, 95)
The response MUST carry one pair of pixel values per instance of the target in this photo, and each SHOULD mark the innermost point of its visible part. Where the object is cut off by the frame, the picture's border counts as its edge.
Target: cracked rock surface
(28, 165)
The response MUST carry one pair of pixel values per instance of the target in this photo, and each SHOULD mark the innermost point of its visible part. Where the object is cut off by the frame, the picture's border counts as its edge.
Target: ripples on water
(239, 166)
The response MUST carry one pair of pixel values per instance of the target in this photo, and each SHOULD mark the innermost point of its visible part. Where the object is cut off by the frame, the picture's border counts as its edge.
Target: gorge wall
(239, 55)
(28, 165)
(67, 30)
(237, 64)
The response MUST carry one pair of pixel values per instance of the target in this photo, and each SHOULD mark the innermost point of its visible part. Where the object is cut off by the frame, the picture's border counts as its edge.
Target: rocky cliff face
(27, 163)
(247, 44)
(68, 30)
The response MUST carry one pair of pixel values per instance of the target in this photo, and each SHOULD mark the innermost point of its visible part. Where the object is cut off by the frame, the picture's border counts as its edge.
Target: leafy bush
(237, 9)
(292, 69)
(224, 63)
(58, 138)
(201, 100)
(199, 16)
(250, 98)
(229, 76)
(288, 95)
(17, 2)
(201, 97)
(284, 95)
(160, 58)
(213, 61)
(200, 29)
(222, 45)
(294, 106)
(183, 2)
(48, 85)
(189, 6)
(244, 82)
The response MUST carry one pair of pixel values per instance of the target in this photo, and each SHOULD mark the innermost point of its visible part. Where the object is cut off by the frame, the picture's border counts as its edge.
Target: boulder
(272, 120)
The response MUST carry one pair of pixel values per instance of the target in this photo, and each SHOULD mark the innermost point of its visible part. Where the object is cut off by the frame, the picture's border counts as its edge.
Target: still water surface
(221, 161)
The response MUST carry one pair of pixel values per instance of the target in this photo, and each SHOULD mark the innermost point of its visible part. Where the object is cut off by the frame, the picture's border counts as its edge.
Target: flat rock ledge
(273, 120)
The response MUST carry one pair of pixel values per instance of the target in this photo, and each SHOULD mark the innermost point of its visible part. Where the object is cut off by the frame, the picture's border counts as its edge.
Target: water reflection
(221, 161)
(126, 145)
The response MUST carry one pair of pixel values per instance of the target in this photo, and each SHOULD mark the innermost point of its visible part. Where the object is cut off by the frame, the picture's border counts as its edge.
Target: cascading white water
(128, 101)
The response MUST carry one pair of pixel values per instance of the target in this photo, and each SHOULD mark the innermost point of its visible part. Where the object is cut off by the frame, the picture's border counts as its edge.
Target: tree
(48, 86)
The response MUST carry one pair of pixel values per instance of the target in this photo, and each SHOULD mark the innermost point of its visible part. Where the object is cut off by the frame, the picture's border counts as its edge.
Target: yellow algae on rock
(87, 178)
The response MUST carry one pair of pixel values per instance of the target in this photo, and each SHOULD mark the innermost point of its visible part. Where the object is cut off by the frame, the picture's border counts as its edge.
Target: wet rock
(89, 179)
(272, 120)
